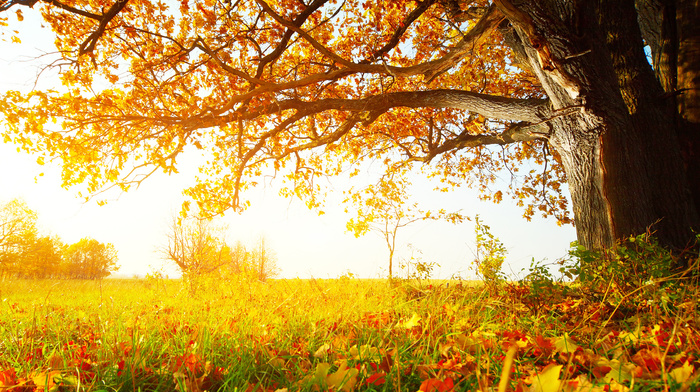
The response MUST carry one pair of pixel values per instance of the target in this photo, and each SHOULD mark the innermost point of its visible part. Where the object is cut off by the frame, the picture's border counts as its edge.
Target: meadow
(341, 334)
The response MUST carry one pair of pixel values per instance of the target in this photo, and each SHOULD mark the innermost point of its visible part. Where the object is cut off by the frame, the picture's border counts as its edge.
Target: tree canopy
(90, 259)
(541, 92)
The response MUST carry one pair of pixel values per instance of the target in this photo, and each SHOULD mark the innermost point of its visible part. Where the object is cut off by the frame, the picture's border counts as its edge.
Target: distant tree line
(26, 253)
(199, 248)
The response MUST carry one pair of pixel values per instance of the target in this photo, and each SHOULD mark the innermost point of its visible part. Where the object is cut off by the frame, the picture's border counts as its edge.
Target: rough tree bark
(620, 148)
(671, 30)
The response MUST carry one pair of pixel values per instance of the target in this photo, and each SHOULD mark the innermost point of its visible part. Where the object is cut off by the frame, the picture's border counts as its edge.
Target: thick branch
(491, 106)
(482, 29)
(202, 45)
(89, 44)
(520, 132)
(282, 46)
(293, 27)
(403, 26)
(552, 65)
(650, 15)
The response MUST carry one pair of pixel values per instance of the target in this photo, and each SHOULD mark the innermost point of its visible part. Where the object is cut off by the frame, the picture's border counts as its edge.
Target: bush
(417, 269)
(637, 272)
(490, 254)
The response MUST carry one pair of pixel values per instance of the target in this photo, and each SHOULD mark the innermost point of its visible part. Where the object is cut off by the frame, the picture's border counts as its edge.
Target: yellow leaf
(321, 371)
(632, 337)
(45, 381)
(565, 344)
(683, 373)
(547, 380)
(322, 351)
(498, 197)
(620, 371)
(342, 380)
(412, 322)
(364, 352)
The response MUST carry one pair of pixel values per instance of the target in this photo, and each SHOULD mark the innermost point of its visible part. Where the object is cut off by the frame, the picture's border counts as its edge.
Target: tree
(382, 209)
(199, 249)
(237, 261)
(196, 246)
(300, 87)
(42, 257)
(18, 231)
(25, 253)
(263, 261)
(90, 259)
(260, 263)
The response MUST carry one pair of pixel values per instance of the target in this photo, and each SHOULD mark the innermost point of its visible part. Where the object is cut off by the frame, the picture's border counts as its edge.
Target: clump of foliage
(415, 268)
(638, 274)
(415, 273)
(490, 254)
(540, 286)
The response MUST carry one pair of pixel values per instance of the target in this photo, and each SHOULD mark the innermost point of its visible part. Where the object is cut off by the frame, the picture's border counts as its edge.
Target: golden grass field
(339, 334)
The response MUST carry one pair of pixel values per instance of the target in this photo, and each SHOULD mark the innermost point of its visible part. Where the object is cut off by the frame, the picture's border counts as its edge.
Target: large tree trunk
(688, 89)
(615, 132)
(671, 30)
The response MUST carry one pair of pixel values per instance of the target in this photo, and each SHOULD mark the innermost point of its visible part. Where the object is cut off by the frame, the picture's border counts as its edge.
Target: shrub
(415, 268)
(490, 254)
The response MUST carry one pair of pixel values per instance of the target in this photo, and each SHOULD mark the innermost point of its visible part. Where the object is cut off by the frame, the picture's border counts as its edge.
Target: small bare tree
(17, 232)
(263, 261)
(382, 208)
(196, 246)
(238, 261)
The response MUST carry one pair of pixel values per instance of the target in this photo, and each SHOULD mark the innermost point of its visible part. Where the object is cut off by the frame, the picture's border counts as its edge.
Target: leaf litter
(457, 339)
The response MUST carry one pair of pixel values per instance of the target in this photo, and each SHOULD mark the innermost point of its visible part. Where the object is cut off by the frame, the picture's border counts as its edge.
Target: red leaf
(376, 379)
(437, 385)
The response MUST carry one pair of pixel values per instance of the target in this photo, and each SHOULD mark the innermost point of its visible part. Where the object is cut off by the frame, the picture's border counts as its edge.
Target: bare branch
(519, 132)
(430, 70)
(7, 4)
(89, 44)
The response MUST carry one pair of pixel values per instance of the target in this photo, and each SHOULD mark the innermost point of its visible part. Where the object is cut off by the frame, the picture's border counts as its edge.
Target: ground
(342, 334)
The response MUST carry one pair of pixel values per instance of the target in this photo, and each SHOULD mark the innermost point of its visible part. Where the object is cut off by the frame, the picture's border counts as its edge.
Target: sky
(306, 244)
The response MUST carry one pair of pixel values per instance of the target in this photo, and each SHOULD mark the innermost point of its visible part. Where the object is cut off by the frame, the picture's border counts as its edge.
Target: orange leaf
(8, 378)
(437, 385)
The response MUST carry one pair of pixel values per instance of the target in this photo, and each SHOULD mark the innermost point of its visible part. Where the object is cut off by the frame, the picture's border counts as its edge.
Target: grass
(341, 334)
